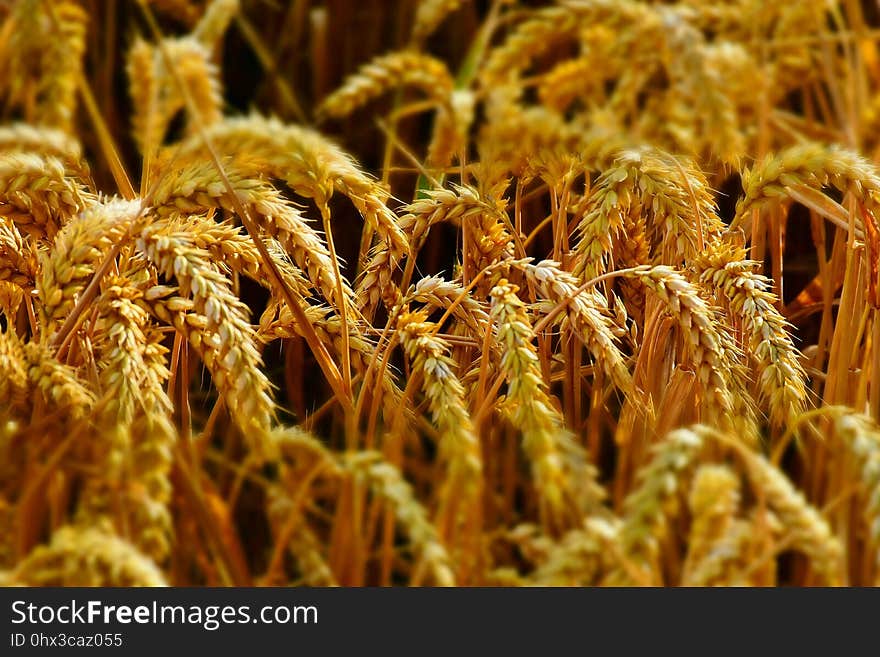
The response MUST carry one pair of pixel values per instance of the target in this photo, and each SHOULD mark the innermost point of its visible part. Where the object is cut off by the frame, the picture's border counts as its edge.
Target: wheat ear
(66, 268)
(37, 194)
(710, 347)
(588, 320)
(407, 69)
(459, 446)
(78, 556)
(386, 482)
(781, 378)
(713, 502)
(228, 339)
(563, 478)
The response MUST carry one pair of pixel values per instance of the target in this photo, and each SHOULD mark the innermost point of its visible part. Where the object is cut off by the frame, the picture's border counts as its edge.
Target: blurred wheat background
(439, 292)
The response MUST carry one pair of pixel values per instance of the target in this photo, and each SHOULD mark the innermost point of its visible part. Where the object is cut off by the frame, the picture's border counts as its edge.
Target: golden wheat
(590, 297)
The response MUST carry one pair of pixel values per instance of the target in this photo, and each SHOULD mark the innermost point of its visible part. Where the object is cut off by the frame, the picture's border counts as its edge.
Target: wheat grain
(37, 194)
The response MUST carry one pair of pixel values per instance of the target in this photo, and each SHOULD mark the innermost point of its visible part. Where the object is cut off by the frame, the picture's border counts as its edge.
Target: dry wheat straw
(297, 445)
(576, 107)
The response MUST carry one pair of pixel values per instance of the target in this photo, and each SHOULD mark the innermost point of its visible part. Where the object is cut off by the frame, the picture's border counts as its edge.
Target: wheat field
(439, 292)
